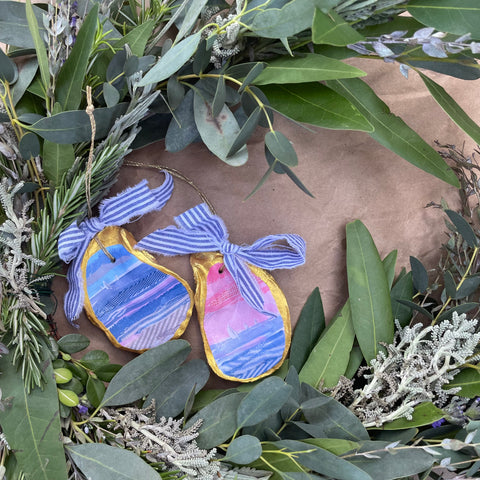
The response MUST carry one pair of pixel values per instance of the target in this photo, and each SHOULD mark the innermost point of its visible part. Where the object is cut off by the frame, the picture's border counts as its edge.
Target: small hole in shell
(222, 268)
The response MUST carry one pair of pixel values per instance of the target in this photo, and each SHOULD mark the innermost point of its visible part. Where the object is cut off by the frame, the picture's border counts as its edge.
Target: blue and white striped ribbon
(115, 211)
(200, 231)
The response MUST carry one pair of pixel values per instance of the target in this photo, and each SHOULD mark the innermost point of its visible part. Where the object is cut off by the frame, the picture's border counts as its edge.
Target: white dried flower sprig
(164, 441)
(416, 366)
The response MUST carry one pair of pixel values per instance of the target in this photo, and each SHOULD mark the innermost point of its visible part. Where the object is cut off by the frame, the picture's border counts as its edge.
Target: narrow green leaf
(95, 391)
(453, 16)
(354, 362)
(40, 46)
(219, 420)
(414, 306)
(468, 379)
(316, 104)
(245, 132)
(190, 18)
(308, 329)
(106, 372)
(330, 356)
(243, 450)
(217, 132)
(423, 414)
(140, 376)
(462, 308)
(100, 461)
(262, 181)
(450, 286)
(389, 263)
(249, 104)
(27, 71)
(172, 61)
(73, 343)
(8, 69)
(281, 148)
(469, 286)
(170, 393)
(419, 275)
(57, 160)
(219, 98)
(336, 446)
(457, 66)
(452, 109)
(310, 68)
(32, 424)
(369, 292)
(402, 290)
(332, 29)
(252, 75)
(175, 92)
(463, 227)
(263, 400)
(68, 88)
(392, 132)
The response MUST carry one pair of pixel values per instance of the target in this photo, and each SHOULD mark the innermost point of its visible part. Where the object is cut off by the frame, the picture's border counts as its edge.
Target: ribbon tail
(73, 302)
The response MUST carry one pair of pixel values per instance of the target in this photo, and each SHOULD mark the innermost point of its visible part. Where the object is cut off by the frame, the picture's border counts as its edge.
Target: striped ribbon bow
(200, 231)
(114, 211)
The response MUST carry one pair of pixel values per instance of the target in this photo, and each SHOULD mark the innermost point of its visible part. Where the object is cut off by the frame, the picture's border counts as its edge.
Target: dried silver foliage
(414, 369)
(165, 441)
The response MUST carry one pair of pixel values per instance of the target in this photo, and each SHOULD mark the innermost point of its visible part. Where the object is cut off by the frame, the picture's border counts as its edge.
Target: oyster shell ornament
(136, 302)
(243, 314)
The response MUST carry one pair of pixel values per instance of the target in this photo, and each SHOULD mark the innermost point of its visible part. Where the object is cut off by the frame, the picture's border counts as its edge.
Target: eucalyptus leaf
(369, 292)
(252, 75)
(450, 285)
(170, 394)
(95, 391)
(250, 103)
(461, 308)
(332, 29)
(175, 92)
(106, 372)
(281, 148)
(141, 375)
(99, 461)
(202, 57)
(110, 94)
(453, 16)
(310, 325)
(316, 104)
(419, 275)
(414, 306)
(219, 420)
(336, 446)
(329, 357)
(402, 290)
(190, 17)
(245, 132)
(27, 71)
(464, 228)
(309, 68)
(217, 132)
(457, 66)
(263, 400)
(172, 61)
(73, 343)
(57, 160)
(8, 69)
(32, 424)
(29, 145)
(391, 131)
(468, 379)
(219, 98)
(68, 88)
(389, 263)
(243, 450)
(468, 287)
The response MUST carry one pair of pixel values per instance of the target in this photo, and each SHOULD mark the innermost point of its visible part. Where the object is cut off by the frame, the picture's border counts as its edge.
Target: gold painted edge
(201, 264)
(117, 235)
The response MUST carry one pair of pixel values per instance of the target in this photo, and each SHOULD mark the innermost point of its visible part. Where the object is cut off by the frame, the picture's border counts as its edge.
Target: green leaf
(14, 27)
(27, 71)
(310, 325)
(95, 391)
(316, 104)
(140, 376)
(219, 98)
(392, 132)
(74, 126)
(393, 463)
(219, 420)
(110, 94)
(68, 397)
(249, 104)
(453, 16)
(8, 69)
(369, 293)
(285, 465)
(309, 68)
(170, 393)
(402, 290)
(190, 18)
(452, 109)
(469, 286)
(281, 148)
(263, 400)
(332, 29)
(469, 381)
(217, 133)
(323, 462)
(354, 362)
(389, 266)
(418, 308)
(57, 160)
(462, 308)
(336, 446)
(419, 275)
(29, 145)
(423, 414)
(330, 356)
(245, 132)
(283, 22)
(73, 343)
(107, 371)
(172, 61)
(252, 74)
(68, 88)
(336, 420)
(32, 424)
(40, 47)
(243, 450)
(175, 92)
(450, 286)
(463, 227)
(99, 461)
(94, 359)
(62, 375)
(458, 66)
